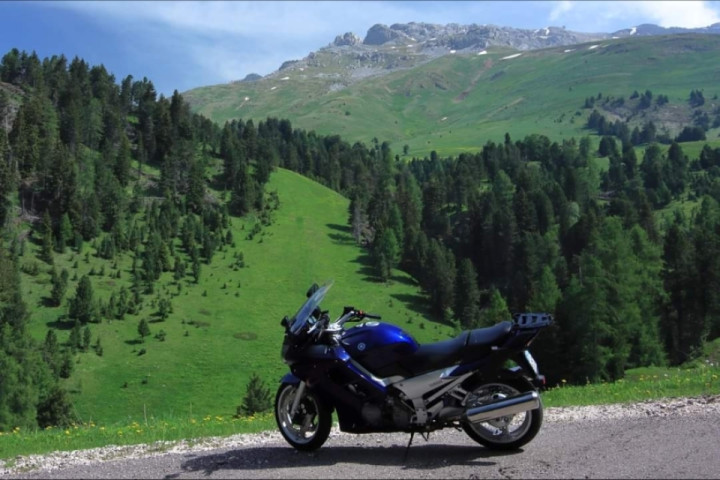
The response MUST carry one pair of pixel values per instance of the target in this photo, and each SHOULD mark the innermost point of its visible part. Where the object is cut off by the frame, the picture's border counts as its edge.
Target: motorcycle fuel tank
(379, 347)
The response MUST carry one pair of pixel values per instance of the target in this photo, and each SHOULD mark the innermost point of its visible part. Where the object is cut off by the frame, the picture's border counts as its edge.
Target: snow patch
(443, 119)
(511, 56)
(593, 47)
(452, 51)
(246, 98)
(285, 78)
(273, 88)
(569, 50)
(633, 30)
(484, 52)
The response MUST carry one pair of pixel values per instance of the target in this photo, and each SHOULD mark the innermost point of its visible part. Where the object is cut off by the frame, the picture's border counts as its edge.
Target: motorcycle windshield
(303, 314)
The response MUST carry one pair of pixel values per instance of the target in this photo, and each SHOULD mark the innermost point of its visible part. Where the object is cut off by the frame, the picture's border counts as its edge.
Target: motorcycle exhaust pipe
(501, 408)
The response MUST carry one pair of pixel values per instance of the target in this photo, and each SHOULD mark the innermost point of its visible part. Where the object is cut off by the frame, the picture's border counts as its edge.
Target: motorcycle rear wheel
(309, 427)
(503, 433)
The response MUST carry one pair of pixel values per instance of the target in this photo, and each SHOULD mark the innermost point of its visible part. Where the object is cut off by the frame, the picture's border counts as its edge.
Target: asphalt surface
(652, 447)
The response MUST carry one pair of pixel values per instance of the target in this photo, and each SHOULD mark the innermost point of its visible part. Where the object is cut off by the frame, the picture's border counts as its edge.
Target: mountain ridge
(433, 40)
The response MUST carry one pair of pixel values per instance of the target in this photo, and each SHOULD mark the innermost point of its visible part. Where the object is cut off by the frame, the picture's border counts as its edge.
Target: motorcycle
(377, 378)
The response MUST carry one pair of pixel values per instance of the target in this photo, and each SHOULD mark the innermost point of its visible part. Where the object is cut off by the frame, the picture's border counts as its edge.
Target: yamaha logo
(361, 346)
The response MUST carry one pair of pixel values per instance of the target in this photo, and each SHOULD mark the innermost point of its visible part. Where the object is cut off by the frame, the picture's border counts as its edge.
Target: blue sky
(182, 45)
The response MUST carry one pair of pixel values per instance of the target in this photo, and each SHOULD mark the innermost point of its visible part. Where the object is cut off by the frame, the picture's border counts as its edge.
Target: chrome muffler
(504, 407)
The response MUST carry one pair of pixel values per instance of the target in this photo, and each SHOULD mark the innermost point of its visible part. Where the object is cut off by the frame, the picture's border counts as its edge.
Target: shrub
(257, 397)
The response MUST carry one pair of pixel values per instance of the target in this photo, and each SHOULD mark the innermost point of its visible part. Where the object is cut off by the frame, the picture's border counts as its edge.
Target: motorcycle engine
(393, 412)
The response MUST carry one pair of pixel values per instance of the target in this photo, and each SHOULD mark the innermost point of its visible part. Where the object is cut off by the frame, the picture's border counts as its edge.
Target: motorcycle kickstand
(426, 436)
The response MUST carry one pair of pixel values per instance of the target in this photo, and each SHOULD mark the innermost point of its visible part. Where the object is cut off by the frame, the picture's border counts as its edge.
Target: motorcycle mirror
(312, 290)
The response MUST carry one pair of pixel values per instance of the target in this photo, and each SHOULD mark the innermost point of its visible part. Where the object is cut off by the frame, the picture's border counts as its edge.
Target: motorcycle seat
(431, 356)
(484, 337)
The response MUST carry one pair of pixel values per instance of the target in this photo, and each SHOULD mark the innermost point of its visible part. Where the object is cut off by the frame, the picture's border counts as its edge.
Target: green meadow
(226, 327)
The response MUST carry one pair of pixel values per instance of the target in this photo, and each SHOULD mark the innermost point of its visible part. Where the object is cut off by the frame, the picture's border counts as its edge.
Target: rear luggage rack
(532, 320)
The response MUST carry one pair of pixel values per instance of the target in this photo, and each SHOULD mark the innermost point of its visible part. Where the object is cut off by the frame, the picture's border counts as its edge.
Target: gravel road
(675, 438)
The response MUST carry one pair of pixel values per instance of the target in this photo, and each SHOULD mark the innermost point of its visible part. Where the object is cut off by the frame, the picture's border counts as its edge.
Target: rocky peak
(349, 39)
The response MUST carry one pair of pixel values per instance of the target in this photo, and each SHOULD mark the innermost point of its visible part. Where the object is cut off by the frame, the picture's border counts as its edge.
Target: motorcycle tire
(503, 433)
(309, 428)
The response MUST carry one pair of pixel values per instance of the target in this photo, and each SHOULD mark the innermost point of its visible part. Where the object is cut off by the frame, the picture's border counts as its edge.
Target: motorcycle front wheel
(309, 427)
(503, 433)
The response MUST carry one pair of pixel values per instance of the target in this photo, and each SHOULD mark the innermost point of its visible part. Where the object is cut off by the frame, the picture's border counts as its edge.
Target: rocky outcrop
(349, 39)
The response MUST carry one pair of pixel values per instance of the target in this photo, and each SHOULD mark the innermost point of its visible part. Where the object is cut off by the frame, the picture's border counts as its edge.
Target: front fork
(298, 396)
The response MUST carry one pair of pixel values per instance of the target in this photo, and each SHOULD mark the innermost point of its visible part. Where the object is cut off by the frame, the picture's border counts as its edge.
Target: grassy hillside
(228, 326)
(458, 102)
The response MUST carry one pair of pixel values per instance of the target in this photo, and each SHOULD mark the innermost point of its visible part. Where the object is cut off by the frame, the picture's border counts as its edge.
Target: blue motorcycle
(377, 378)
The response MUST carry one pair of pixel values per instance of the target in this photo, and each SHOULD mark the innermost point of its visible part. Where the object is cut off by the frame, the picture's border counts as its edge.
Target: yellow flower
(192, 420)
(102, 429)
(67, 432)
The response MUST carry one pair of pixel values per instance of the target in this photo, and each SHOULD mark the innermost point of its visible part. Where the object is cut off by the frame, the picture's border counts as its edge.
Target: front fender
(290, 378)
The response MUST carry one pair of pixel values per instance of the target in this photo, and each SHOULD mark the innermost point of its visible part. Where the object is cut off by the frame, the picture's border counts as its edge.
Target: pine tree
(86, 339)
(59, 286)
(467, 296)
(46, 249)
(8, 178)
(143, 329)
(75, 339)
(546, 293)
(256, 399)
(496, 310)
(82, 306)
(386, 253)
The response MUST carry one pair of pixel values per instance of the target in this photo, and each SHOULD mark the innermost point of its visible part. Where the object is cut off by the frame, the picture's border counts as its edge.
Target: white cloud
(607, 16)
(560, 9)
(679, 14)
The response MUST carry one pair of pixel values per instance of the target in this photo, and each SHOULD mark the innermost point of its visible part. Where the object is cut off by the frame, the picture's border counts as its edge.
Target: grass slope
(458, 102)
(232, 317)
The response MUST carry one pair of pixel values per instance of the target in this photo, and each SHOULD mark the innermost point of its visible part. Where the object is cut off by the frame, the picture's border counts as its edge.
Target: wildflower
(67, 432)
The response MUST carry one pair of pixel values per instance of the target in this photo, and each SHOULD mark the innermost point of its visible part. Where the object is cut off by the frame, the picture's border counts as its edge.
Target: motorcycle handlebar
(362, 314)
